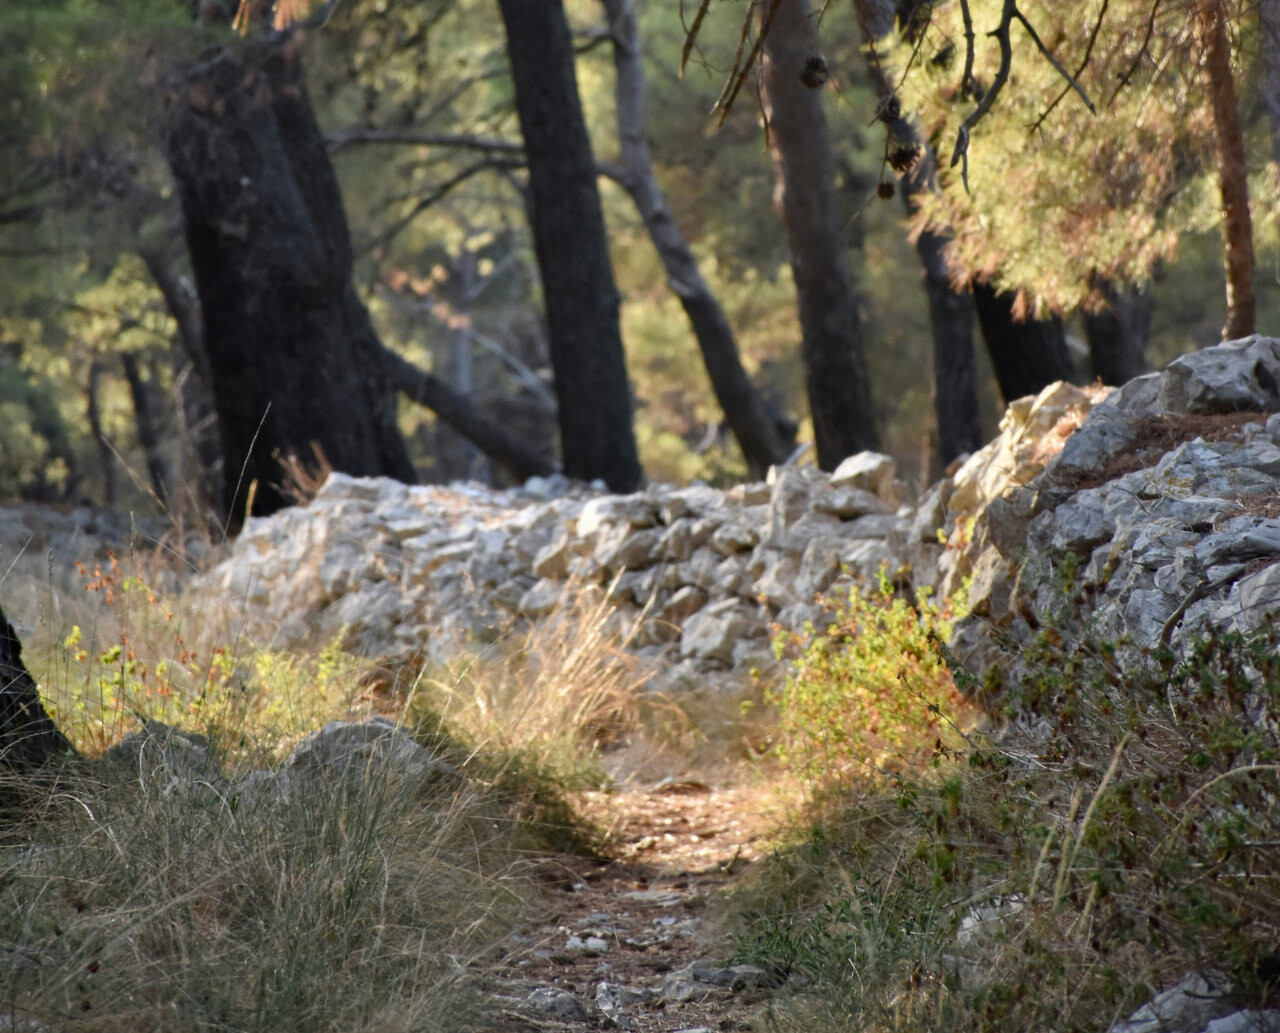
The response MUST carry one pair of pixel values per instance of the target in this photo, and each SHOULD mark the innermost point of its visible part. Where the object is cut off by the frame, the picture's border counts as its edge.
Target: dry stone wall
(1162, 498)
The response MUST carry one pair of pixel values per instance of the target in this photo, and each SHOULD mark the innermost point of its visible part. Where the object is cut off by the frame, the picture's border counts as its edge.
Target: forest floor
(635, 942)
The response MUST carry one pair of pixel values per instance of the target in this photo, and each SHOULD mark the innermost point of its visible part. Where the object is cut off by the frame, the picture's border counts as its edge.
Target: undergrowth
(1123, 833)
(867, 687)
(129, 902)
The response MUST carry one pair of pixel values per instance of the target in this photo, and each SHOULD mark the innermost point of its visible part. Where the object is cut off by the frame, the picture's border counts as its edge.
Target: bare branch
(345, 138)
(970, 46)
(1001, 33)
(1057, 66)
(1088, 51)
(1142, 50)
(742, 69)
(437, 195)
(691, 31)
(461, 414)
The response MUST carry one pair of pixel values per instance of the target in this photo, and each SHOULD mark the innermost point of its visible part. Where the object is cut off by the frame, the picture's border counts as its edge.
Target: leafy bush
(142, 656)
(1121, 835)
(868, 689)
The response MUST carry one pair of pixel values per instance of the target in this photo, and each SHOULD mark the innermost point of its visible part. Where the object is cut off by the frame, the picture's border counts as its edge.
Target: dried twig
(1088, 51)
(1001, 34)
(1142, 51)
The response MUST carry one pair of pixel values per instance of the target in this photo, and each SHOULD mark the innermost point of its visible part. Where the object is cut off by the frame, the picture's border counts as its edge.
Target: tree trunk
(1269, 51)
(955, 369)
(835, 371)
(28, 737)
(455, 454)
(1237, 226)
(293, 362)
(145, 415)
(193, 378)
(1118, 333)
(106, 454)
(457, 411)
(594, 399)
(1028, 355)
(759, 433)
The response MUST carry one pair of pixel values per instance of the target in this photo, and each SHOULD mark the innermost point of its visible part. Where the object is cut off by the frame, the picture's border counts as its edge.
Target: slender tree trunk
(293, 362)
(28, 737)
(1028, 355)
(835, 371)
(1269, 15)
(955, 369)
(594, 399)
(192, 377)
(759, 432)
(455, 455)
(106, 454)
(1237, 226)
(457, 411)
(1118, 333)
(147, 419)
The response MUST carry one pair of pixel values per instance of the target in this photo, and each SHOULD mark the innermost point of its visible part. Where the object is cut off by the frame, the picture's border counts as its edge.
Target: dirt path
(630, 943)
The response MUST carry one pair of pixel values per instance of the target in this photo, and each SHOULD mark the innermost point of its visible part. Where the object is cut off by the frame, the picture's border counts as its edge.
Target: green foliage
(1058, 195)
(868, 690)
(1052, 879)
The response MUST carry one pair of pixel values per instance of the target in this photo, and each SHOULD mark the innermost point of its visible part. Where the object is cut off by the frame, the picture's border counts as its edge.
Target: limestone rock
(872, 472)
(1237, 376)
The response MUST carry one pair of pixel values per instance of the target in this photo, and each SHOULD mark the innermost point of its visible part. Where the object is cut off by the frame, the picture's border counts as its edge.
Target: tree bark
(835, 371)
(459, 413)
(955, 370)
(193, 377)
(1028, 355)
(106, 454)
(955, 367)
(1118, 333)
(147, 420)
(1237, 226)
(1269, 51)
(759, 433)
(293, 361)
(594, 399)
(29, 739)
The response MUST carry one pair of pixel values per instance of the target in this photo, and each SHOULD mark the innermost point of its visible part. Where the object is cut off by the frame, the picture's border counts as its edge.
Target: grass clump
(534, 710)
(135, 904)
(1122, 835)
(134, 900)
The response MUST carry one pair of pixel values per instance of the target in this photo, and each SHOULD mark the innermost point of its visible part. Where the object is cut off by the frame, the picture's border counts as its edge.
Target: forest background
(1063, 208)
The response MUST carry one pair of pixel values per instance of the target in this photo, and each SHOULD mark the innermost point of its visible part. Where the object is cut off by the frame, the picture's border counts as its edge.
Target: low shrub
(1120, 835)
(868, 690)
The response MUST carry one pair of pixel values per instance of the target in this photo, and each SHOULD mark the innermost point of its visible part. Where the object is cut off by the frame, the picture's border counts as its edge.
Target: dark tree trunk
(955, 369)
(1233, 172)
(594, 399)
(835, 371)
(760, 434)
(106, 454)
(1269, 52)
(147, 418)
(457, 411)
(28, 737)
(1118, 333)
(1027, 355)
(294, 364)
(193, 377)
